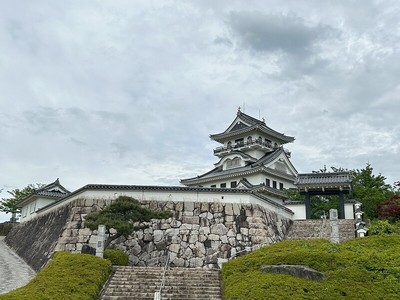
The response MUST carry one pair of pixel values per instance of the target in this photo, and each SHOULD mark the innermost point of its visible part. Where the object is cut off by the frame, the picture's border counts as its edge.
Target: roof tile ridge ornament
(238, 111)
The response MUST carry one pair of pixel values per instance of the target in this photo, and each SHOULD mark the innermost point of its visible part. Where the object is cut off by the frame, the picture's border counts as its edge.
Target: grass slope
(367, 268)
(68, 276)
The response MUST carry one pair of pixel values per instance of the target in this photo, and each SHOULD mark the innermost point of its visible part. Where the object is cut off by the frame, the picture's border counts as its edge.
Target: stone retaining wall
(315, 229)
(36, 239)
(198, 235)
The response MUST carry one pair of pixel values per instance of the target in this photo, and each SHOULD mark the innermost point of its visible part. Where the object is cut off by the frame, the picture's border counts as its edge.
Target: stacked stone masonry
(198, 235)
(320, 229)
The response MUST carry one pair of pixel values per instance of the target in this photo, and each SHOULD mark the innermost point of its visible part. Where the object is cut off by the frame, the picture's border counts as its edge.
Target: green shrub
(117, 257)
(68, 276)
(364, 268)
(381, 227)
(5, 228)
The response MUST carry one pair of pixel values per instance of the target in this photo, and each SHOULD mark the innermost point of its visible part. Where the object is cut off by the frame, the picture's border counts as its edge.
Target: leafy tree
(370, 190)
(8, 205)
(122, 215)
(390, 209)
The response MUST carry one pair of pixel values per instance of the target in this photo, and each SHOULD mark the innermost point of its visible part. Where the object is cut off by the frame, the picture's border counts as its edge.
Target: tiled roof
(311, 179)
(254, 124)
(219, 172)
(46, 191)
(253, 167)
(166, 188)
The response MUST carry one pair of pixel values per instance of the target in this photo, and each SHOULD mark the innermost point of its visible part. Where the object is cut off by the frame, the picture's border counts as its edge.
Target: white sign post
(101, 232)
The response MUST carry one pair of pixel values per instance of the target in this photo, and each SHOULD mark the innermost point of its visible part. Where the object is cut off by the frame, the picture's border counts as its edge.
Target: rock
(158, 236)
(174, 248)
(228, 209)
(196, 262)
(179, 206)
(300, 271)
(204, 206)
(189, 206)
(219, 229)
(179, 262)
(213, 237)
(190, 219)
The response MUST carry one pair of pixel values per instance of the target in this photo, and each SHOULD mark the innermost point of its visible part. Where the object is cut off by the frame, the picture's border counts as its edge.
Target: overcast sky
(127, 92)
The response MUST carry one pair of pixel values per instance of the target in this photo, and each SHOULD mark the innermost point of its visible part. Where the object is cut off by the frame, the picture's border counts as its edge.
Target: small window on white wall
(32, 207)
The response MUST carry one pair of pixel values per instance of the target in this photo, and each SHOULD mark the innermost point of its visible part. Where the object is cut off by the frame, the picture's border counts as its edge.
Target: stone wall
(35, 240)
(315, 229)
(198, 235)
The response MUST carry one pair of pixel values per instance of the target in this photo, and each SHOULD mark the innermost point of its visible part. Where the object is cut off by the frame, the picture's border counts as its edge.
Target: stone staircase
(180, 283)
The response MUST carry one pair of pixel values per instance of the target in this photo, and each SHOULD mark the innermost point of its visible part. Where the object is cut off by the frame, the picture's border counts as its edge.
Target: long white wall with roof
(175, 195)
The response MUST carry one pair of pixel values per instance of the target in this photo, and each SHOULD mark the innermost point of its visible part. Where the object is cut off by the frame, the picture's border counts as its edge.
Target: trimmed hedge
(364, 268)
(117, 257)
(68, 276)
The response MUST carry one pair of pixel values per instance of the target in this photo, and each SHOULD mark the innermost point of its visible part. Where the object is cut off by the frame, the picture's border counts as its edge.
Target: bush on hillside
(68, 276)
(117, 257)
(379, 227)
(364, 268)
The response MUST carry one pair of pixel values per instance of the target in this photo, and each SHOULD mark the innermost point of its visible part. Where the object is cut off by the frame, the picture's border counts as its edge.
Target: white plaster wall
(184, 196)
(299, 211)
(349, 211)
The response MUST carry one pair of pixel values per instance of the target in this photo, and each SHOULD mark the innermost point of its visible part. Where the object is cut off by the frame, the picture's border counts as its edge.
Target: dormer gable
(235, 159)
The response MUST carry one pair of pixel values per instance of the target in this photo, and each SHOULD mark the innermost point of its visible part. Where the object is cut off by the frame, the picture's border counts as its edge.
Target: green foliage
(378, 227)
(5, 228)
(117, 257)
(8, 205)
(370, 190)
(68, 276)
(121, 215)
(364, 268)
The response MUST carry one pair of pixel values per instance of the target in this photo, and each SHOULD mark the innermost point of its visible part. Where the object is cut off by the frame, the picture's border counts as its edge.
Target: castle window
(281, 186)
(267, 182)
(223, 185)
(239, 142)
(213, 185)
(229, 163)
(274, 184)
(236, 161)
(249, 140)
(233, 184)
(229, 145)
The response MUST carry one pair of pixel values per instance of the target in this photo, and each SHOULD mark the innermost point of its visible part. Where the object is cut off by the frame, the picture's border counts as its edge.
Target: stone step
(180, 284)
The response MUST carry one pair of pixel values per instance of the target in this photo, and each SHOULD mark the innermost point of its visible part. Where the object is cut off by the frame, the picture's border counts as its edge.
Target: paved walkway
(14, 272)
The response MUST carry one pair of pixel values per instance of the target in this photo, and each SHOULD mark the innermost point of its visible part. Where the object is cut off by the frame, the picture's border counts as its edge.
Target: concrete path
(14, 272)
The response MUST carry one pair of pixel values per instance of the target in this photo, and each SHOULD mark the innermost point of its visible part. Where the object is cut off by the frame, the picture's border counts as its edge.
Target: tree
(8, 205)
(123, 215)
(390, 209)
(370, 190)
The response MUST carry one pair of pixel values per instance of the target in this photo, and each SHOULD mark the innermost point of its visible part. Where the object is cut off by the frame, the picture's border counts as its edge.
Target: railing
(157, 295)
(243, 144)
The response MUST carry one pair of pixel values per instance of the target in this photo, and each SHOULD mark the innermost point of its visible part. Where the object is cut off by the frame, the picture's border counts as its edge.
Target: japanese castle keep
(251, 157)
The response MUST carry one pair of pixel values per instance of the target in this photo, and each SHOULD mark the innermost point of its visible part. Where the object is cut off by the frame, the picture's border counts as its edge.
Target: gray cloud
(128, 94)
(270, 33)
